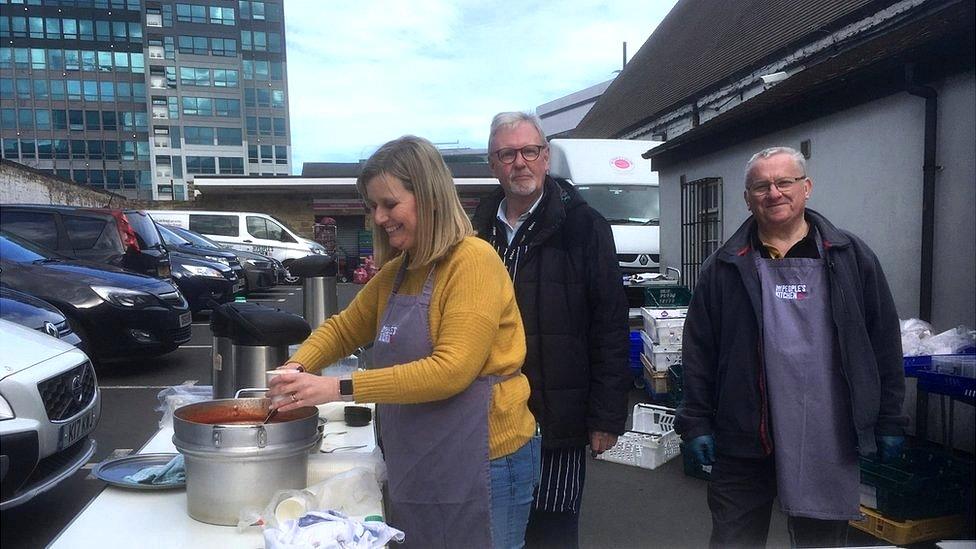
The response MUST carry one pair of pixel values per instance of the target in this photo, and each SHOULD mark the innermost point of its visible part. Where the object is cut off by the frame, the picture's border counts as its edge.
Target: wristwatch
(345, 390)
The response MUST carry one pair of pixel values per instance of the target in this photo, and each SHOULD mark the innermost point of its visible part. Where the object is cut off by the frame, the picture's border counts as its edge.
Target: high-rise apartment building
(139, 96)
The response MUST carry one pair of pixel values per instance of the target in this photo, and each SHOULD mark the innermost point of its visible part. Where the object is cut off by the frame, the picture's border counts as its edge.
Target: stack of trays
(663, 328)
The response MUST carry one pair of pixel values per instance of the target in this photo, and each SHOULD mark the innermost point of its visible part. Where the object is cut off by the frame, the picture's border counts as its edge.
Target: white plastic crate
(661, 357)
(665, 326)
(651, 442)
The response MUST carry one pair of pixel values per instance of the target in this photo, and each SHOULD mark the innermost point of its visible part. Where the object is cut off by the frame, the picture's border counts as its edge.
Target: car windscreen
(624, 204)
(145, 229)
(22, 251)
(195, 239)
(170, 237)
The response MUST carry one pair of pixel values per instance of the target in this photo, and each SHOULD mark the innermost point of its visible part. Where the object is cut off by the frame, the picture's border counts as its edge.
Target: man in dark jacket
(560, 254)
(792, 365)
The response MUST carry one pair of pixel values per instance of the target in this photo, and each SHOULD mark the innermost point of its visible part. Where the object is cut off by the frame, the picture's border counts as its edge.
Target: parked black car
(260, 272)
(36, 314)
(204, 282)
(177, 244)
(124, 238)
(118, 314)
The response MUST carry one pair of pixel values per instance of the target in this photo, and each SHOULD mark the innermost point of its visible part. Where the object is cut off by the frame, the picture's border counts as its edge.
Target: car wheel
(289, 278)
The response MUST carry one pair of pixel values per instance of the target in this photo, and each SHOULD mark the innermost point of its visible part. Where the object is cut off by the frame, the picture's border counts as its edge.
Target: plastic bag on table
(354, 492)
(284, 505)
(913, 331)
(172, 398)
(330, 529)
(950, 341)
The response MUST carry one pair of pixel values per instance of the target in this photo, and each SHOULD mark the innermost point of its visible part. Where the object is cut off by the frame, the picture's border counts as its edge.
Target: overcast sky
(362, 73)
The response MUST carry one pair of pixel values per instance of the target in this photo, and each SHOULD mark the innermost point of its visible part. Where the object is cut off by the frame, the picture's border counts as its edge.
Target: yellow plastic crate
(909, 531)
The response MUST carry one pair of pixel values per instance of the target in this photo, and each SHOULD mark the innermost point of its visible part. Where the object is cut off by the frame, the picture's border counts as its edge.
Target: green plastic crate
(923, 483)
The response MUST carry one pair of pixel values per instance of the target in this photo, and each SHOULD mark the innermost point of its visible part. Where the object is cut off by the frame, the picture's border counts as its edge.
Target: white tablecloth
(121, 517)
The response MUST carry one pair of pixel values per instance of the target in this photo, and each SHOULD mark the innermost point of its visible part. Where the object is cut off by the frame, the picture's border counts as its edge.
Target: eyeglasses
(761, 188)
(528, 152)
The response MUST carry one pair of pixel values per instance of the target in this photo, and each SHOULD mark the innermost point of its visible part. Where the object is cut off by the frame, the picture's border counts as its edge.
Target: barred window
(701, 224)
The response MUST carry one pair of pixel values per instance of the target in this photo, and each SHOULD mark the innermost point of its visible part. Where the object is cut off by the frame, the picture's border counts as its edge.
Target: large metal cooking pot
(234, 460)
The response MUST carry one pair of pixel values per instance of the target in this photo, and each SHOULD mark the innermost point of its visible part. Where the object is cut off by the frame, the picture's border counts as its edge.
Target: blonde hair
(441, 221)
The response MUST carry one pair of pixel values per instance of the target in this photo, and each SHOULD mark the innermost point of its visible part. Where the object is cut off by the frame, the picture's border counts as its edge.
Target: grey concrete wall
(866, 165)
(22, 185)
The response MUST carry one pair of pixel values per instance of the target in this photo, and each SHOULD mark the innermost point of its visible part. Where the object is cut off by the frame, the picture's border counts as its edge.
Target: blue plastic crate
(915, 364)
(962, 388)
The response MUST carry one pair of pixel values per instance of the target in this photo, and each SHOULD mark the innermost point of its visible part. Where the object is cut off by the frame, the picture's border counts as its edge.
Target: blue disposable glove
(703, 449)
(889, 447)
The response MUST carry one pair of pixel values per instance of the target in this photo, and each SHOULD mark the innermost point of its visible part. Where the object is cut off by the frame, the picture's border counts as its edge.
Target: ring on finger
(294, 398)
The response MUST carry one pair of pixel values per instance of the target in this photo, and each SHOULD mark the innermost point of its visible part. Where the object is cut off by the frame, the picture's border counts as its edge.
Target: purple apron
(436, 452)
(817, 471)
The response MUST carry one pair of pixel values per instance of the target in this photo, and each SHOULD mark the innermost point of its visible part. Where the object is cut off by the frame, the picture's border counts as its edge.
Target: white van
(247, 231)
(615, 180)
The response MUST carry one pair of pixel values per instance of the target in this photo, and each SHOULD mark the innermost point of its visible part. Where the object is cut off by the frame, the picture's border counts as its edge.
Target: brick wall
(20, 184)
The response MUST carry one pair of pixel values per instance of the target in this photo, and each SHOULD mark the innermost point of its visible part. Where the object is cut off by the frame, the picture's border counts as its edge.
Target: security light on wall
(774, 77)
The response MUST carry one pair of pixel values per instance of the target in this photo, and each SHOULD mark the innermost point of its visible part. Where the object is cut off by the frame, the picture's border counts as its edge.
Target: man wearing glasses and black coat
(560, 254)
(792, 366)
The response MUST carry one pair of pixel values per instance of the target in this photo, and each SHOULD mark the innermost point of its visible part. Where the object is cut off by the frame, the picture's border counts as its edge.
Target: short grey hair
(508, 120)
(801, 162)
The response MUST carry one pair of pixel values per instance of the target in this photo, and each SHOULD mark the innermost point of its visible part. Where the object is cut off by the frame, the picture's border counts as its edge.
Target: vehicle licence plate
(185, 319)
(71, 433)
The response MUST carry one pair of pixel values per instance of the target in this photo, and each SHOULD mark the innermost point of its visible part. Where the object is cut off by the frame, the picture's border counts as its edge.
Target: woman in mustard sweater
(448, 346)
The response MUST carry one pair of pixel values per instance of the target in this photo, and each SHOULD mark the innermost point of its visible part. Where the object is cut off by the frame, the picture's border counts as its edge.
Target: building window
(221, 16)
(229, 136)
(190, 76)
(201, 165)
(196, 135)
(223, 47)
(225, 78)
(196, 45)
(701, 224)
(228, 107)
(197, 106)
(188, 13)
(232, 165)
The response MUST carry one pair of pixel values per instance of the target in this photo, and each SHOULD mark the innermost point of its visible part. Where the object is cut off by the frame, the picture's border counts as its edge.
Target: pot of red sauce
(234, 460)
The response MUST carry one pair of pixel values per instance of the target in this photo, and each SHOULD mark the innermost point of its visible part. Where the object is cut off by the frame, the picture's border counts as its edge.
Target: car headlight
(223, 260)
(124, 297)
(199, 270)
(6, 412)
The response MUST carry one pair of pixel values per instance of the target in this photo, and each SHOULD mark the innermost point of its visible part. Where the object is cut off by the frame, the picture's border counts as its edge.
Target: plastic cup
(290, 509)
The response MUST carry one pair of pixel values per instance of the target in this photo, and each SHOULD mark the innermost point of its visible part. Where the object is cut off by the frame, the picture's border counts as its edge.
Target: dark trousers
(740, 496)
(554, 518)
(552, 530)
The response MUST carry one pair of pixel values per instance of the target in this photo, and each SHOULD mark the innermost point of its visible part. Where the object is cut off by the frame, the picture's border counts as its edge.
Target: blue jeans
(513, 479)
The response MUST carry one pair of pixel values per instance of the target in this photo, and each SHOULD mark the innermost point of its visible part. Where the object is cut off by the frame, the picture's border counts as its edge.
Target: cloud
(363, 73)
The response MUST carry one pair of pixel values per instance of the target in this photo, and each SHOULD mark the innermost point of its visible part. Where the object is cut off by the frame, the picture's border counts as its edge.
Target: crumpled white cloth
(330, 530)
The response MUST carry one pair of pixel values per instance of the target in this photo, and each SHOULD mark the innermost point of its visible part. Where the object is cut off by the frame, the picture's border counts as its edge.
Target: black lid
(254, 324)
(313, 265)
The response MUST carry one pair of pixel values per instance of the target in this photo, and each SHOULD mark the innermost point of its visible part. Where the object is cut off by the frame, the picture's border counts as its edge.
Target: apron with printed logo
(813, 436)
(436, 453)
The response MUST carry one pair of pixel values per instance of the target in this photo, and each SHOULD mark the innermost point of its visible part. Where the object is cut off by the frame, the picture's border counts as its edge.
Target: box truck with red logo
(614, 179)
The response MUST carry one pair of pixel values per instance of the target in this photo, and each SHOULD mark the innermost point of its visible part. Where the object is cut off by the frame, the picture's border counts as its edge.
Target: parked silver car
(49, 406)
